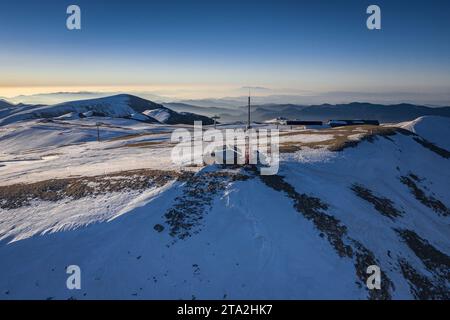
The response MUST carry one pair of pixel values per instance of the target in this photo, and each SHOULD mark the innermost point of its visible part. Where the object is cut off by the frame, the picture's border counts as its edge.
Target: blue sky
(215, 47)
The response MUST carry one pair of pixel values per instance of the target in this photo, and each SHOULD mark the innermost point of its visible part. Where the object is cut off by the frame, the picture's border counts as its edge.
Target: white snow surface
(114, 106)
(162, 115)
(433, 128)
(252, 244)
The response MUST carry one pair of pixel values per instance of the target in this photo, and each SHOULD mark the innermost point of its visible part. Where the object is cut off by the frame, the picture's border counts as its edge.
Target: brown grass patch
(432, 147)
(436, 262)
(383, 205)
(429, 201)
(18, 195)
(51, 155)
(341, 139)
(144, 144)
(137, 135)
(421, 287)
(185, 217)
(313, 209)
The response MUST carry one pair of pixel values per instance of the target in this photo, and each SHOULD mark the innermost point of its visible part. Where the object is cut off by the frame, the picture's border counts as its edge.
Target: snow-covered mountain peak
(117, 106)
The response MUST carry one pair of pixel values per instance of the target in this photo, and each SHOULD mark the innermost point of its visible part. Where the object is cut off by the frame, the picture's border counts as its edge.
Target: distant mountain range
(355, 110)
(130, 106)
(205, 110)
(439, 97)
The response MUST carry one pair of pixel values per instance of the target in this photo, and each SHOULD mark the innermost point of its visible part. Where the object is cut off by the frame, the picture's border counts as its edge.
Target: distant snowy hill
(118, 106)
(7, 108)
(5, 104)
(160, 114)
(168, 116)
(434, 129)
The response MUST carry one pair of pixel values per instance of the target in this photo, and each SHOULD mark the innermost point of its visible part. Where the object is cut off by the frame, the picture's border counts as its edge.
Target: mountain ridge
(260, 112)
(355, 110)
(116, 106)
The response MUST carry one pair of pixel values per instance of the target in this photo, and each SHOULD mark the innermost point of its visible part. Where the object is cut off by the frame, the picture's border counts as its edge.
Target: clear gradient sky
(213, 48)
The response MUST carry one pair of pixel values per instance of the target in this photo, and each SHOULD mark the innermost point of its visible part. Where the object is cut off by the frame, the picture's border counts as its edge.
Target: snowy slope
(161, 114)
(5, 104)
(228, 233)
(7, 108)
(117, 106)
(433, 128)
(35, 150)
(165, 115)
(62, 131)
(239, 254)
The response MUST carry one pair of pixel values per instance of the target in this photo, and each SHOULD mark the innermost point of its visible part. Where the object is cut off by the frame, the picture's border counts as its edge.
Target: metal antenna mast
(247, 137)
(215, 120)
(248, 121)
